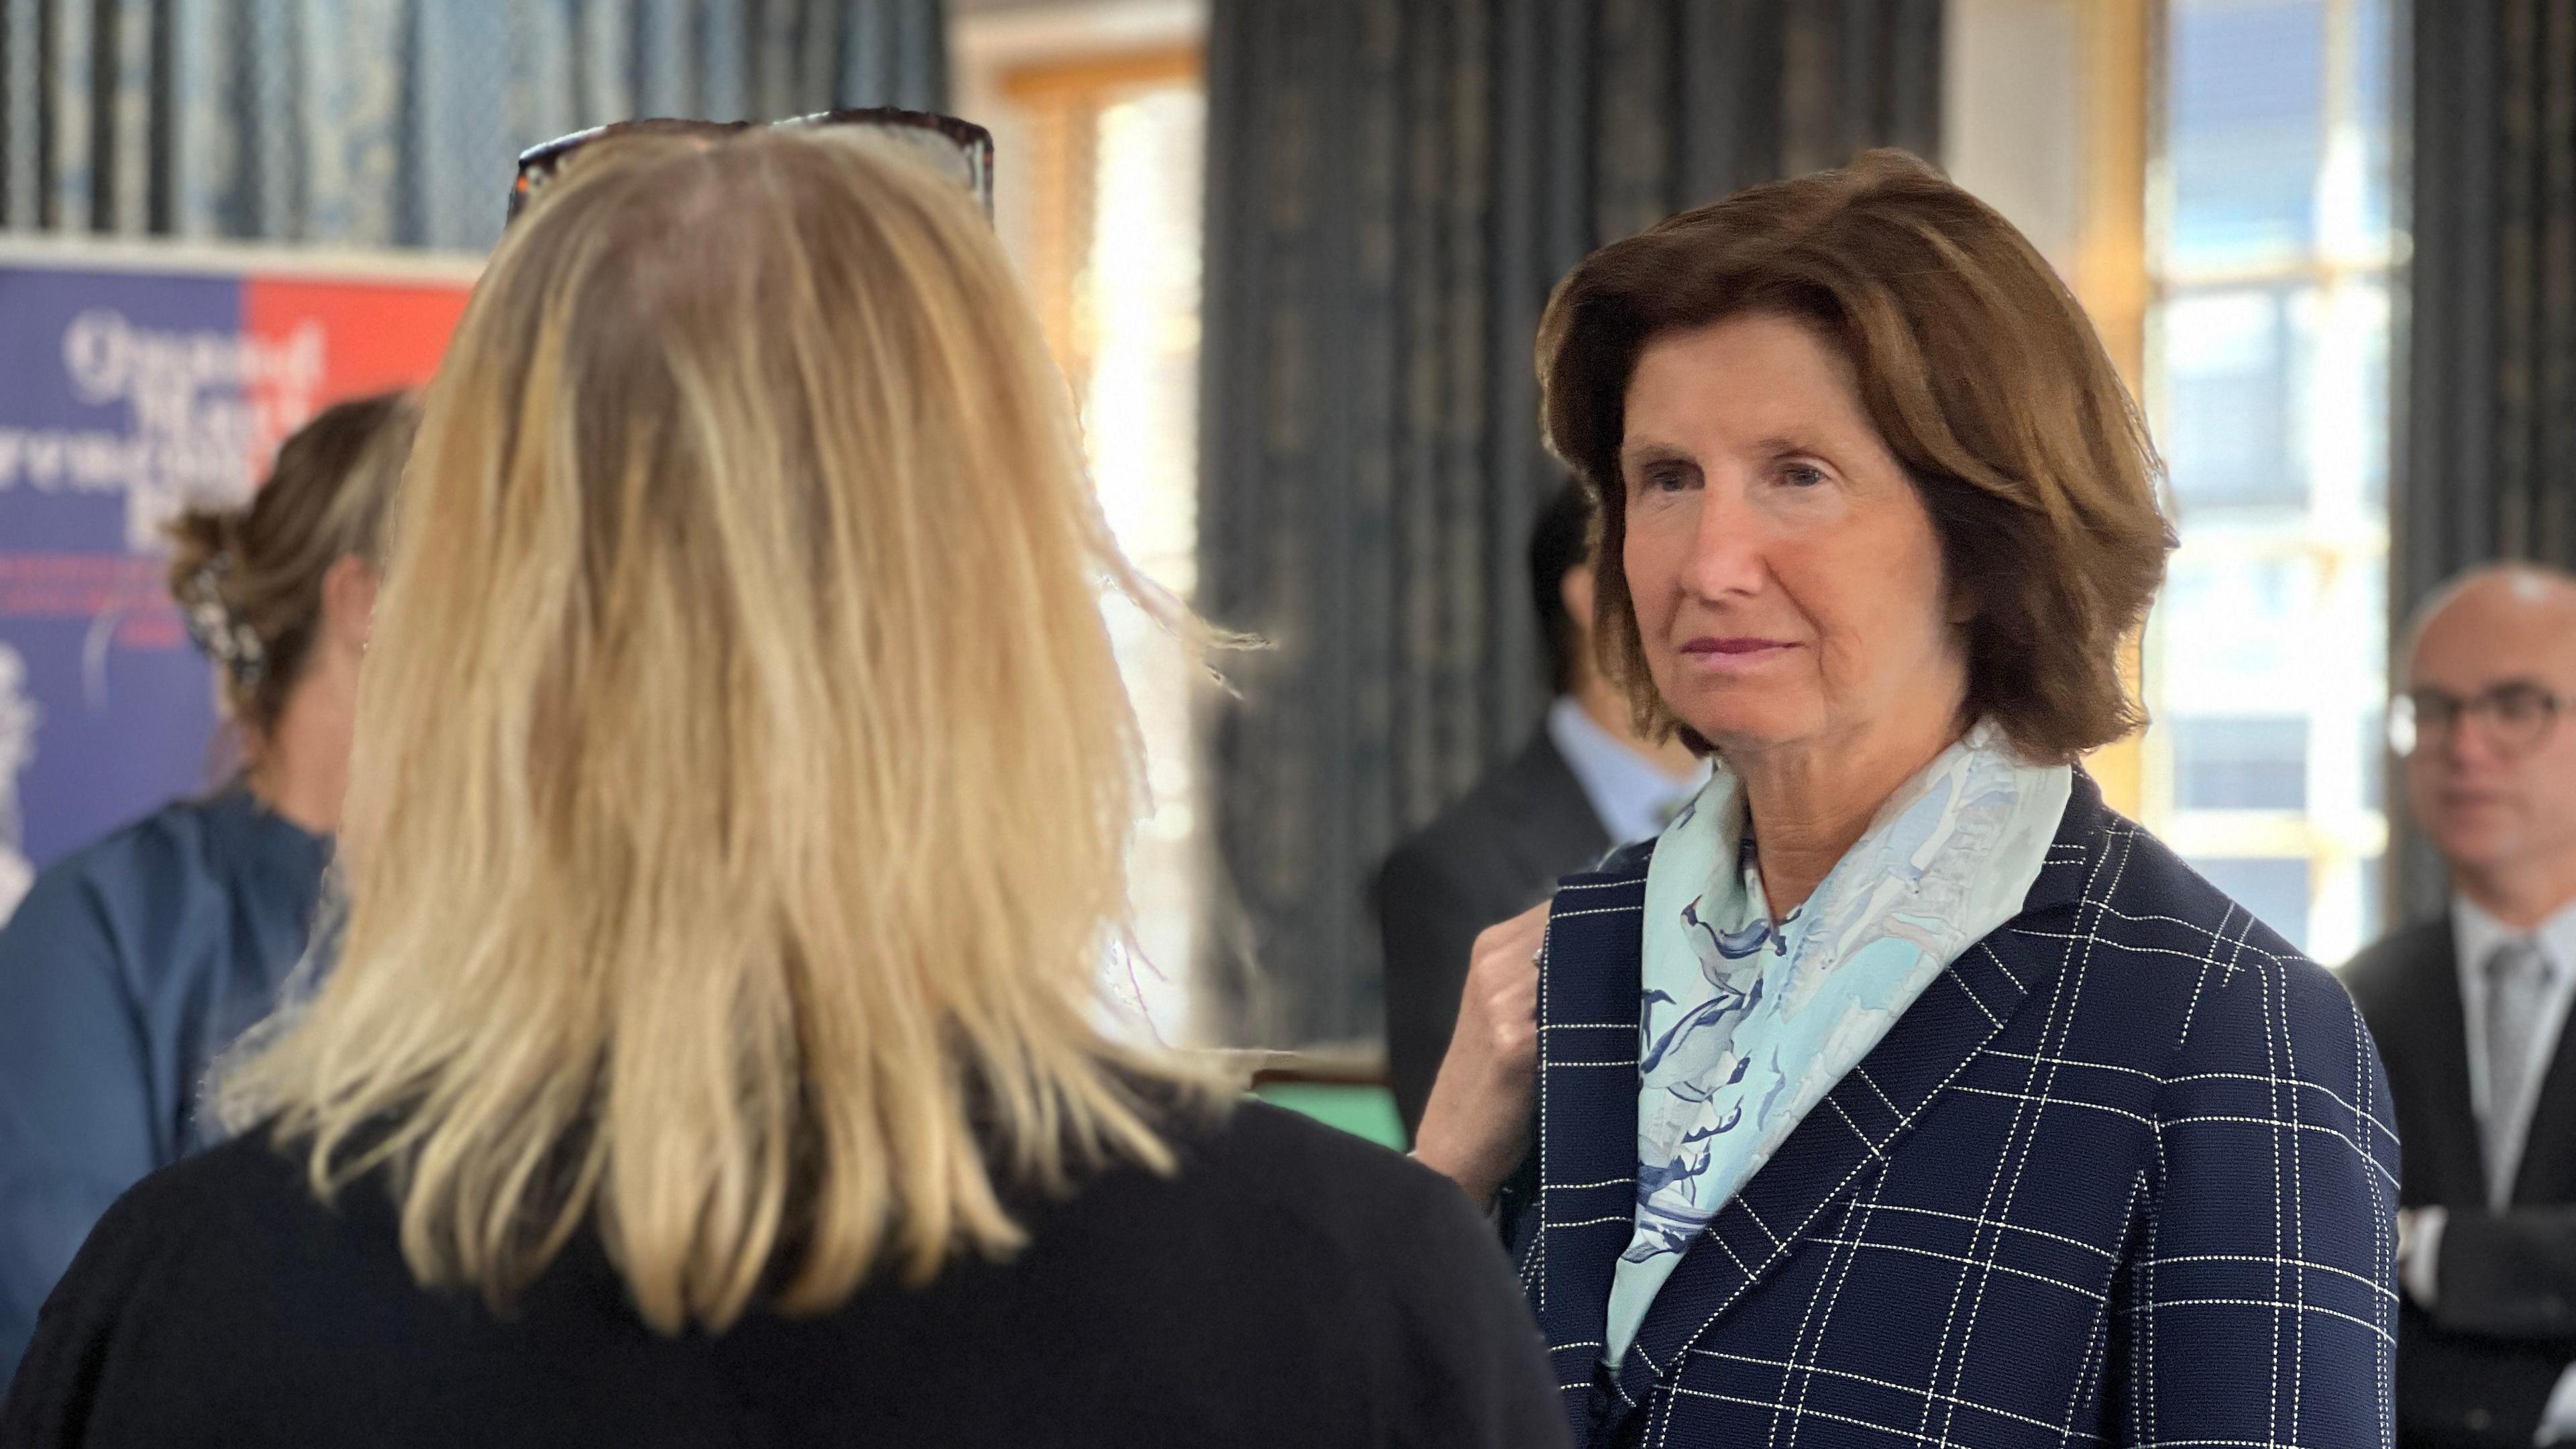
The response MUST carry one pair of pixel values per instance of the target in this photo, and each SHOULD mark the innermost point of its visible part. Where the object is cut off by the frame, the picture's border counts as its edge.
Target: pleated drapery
(393, 122)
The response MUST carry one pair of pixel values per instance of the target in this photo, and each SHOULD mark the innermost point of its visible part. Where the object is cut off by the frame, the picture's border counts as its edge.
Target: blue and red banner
(134, 383)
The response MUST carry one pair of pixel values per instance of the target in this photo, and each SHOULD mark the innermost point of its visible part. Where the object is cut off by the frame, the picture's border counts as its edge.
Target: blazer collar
(2546, 1171)
(1588, 1019)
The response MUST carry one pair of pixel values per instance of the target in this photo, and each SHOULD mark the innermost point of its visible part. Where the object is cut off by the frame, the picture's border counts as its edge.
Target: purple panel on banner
(121, 400)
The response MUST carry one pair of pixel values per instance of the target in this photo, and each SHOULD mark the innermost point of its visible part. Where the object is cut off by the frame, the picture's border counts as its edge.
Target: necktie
(2517, 976)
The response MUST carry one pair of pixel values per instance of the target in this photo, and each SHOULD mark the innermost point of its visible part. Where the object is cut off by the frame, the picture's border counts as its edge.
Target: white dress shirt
(1631, 793)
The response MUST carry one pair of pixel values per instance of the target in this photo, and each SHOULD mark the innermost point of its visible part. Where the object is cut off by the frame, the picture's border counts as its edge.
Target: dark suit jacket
(1493, 855)
(2478, 1368)
(2124, 1174)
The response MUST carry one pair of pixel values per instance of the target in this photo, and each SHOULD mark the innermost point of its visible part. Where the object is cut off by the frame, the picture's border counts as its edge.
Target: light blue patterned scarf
(1745, 1025)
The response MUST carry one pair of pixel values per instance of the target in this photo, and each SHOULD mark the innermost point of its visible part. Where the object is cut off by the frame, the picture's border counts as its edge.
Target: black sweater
(1290, 1286)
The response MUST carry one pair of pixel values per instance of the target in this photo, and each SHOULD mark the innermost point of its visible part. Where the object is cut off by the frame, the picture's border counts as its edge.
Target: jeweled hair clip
(221, 637)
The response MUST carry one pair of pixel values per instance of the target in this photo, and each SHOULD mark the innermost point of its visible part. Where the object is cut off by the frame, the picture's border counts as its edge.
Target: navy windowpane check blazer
(2125, 1174)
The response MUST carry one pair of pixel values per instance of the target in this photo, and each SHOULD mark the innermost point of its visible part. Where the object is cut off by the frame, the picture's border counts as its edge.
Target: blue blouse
(126, 969)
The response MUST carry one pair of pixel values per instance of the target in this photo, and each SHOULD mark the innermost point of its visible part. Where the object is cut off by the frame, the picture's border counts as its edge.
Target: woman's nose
(1726, 548)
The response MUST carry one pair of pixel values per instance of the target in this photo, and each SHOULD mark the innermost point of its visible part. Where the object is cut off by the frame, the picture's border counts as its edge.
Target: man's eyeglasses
(958, 149)
(2517, 714)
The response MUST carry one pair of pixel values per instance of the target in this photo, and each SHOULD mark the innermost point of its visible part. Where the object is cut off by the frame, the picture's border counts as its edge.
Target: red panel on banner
(337, 340)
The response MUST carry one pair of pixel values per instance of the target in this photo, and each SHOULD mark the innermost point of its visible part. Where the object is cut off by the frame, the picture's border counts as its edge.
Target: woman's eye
(1668, 480)
(1801, 475)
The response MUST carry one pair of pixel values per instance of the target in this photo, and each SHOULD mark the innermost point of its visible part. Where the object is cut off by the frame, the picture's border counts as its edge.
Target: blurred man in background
(2470, 1010)
(1585, 782)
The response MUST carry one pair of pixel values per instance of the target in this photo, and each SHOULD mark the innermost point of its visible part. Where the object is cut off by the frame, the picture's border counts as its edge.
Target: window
(2267, 378)
(1098, 113)
(2274, 888)
(2250, 762)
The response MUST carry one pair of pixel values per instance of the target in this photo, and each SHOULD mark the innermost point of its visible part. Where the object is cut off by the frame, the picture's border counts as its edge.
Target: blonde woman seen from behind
(741, 797)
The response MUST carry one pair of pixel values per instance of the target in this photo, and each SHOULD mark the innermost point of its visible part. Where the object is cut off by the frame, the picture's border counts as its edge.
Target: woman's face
(1787, 581)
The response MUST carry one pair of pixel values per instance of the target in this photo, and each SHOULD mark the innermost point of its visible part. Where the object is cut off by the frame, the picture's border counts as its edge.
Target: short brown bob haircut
(1977, 367)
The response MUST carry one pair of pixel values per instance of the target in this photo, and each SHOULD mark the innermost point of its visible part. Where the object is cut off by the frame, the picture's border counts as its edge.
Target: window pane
(2275, 890)
(2274, 400)
(2231, 391)
(2372, 868)
(1102, 151)
(1136, 302)
(2350, 349)
(2374, 760)
(2245, 140)
(2268, 379)
(2374, 80)
(1140, 415)
(2234, 634)
(2243, 763)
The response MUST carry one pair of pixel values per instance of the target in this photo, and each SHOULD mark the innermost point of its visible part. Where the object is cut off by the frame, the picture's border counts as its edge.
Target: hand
(1476, 1127)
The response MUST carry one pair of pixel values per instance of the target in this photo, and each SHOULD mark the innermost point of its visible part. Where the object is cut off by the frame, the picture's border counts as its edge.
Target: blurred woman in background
(743, 790)
(131, 964)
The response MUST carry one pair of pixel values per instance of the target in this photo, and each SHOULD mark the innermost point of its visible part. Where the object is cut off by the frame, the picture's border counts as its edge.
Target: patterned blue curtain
(393, 122)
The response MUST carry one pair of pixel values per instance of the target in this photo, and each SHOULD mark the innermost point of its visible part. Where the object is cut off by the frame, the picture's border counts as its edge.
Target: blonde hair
(743, 778)
(249, 578)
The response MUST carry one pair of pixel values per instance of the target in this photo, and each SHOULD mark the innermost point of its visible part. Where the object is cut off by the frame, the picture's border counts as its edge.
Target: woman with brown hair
(1900, 1092)
(133, 962)
(716, 1049)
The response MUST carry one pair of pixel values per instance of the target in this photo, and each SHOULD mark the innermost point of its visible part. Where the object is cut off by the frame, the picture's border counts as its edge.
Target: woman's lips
(1739, 655)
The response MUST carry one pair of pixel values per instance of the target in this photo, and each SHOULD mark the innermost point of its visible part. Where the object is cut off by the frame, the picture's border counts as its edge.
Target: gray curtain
(393, 122)
(1393, 187)
(2486, 462)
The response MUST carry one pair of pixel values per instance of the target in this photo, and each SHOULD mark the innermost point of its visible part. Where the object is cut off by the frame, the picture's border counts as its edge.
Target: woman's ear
(348, 603)
(1575, 591)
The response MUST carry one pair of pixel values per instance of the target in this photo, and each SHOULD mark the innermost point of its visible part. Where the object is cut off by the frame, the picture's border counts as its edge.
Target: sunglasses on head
(958, 149)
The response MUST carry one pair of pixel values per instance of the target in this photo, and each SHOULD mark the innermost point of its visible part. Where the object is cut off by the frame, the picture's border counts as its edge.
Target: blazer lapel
(1861, 1120)
(1587, 1110)
(2547, 1173)
(2459, 1153)
(2412, 988)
